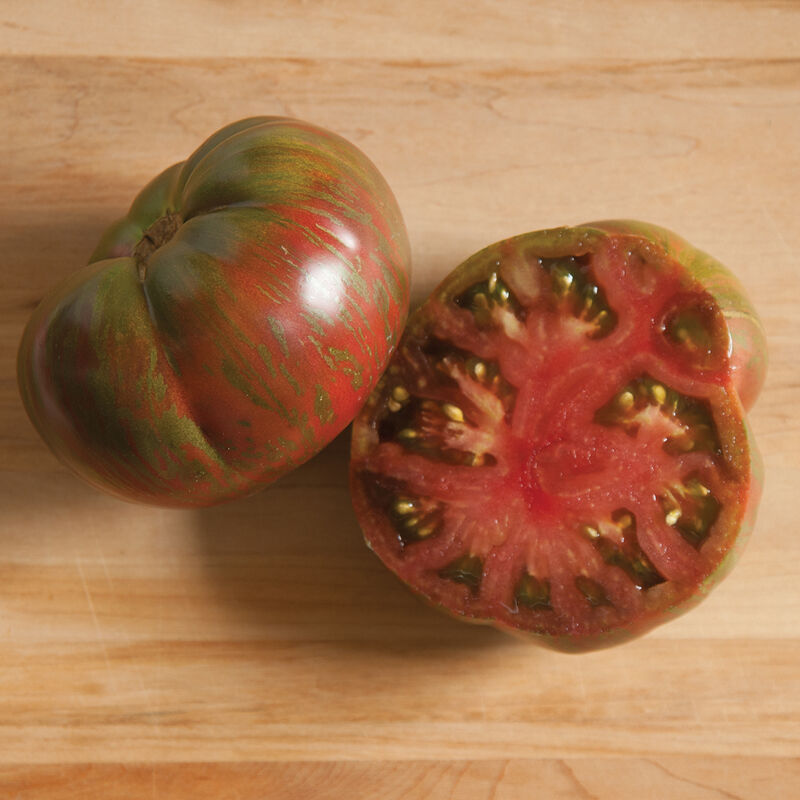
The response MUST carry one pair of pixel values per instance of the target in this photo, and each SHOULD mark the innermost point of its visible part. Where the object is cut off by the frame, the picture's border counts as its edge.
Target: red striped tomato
(229, 326)
(559, 445)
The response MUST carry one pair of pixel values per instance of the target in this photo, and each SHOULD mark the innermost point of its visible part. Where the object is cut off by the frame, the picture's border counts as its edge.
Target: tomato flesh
(557, 446)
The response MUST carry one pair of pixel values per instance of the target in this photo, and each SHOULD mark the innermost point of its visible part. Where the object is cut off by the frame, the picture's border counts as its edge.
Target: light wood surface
(258, 649)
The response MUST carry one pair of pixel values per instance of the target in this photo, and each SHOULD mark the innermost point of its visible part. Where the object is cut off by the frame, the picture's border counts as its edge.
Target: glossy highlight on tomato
(559, 445)
(230, 325)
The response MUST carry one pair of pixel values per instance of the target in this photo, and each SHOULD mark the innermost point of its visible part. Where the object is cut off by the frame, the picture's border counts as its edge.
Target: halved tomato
(559, 444)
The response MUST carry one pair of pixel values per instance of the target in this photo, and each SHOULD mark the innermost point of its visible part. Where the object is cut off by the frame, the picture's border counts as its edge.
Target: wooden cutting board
(258, 649)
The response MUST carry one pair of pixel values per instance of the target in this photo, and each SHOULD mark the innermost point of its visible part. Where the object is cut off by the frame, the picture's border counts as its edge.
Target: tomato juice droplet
(559, 447)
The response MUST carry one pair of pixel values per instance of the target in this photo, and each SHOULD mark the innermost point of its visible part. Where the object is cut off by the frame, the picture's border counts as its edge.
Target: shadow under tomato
(290, 563)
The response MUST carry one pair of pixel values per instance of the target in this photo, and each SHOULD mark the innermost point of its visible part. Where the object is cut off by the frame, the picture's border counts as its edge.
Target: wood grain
(259, 649)
(371, 29)
(678, 778)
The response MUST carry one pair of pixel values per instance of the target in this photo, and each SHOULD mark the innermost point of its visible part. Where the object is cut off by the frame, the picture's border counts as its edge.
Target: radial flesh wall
(559, 444)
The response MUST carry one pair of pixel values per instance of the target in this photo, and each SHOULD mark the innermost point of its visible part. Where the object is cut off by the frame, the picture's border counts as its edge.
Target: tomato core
(154, 238)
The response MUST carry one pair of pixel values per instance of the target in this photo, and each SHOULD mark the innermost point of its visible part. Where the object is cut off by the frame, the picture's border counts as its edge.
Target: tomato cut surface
(558, 446)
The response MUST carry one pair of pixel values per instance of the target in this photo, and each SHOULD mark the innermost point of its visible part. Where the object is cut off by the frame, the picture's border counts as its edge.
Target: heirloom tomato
(558, 446)
(230, 325)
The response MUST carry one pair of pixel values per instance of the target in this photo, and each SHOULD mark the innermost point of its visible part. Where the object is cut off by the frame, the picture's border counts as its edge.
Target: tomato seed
(625, 400)
(404, 506)
(694, 486)
(400, 394)
(590, 532)
(453, 412)
(623, 518)
(533, 593)
(478, 370)
(659, 393)
(590, 295)
(563, 279)
(594, 593)
(467, 569)
(644, 574)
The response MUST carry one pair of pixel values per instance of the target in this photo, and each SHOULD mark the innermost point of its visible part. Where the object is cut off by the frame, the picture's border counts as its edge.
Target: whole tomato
(229, 326)
(559, 445)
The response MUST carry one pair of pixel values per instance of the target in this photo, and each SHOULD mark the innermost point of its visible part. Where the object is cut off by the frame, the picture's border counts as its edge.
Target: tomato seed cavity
(532, 593)
(576, 292)
(467, 569)
(691, 508)
(694, 327)
(691, 422)
(593, 591)
(618, 545)
(483, 297)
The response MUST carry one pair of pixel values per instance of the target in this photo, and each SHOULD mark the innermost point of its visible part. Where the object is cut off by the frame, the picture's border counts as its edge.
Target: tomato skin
(205, 366)
(397, 475)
